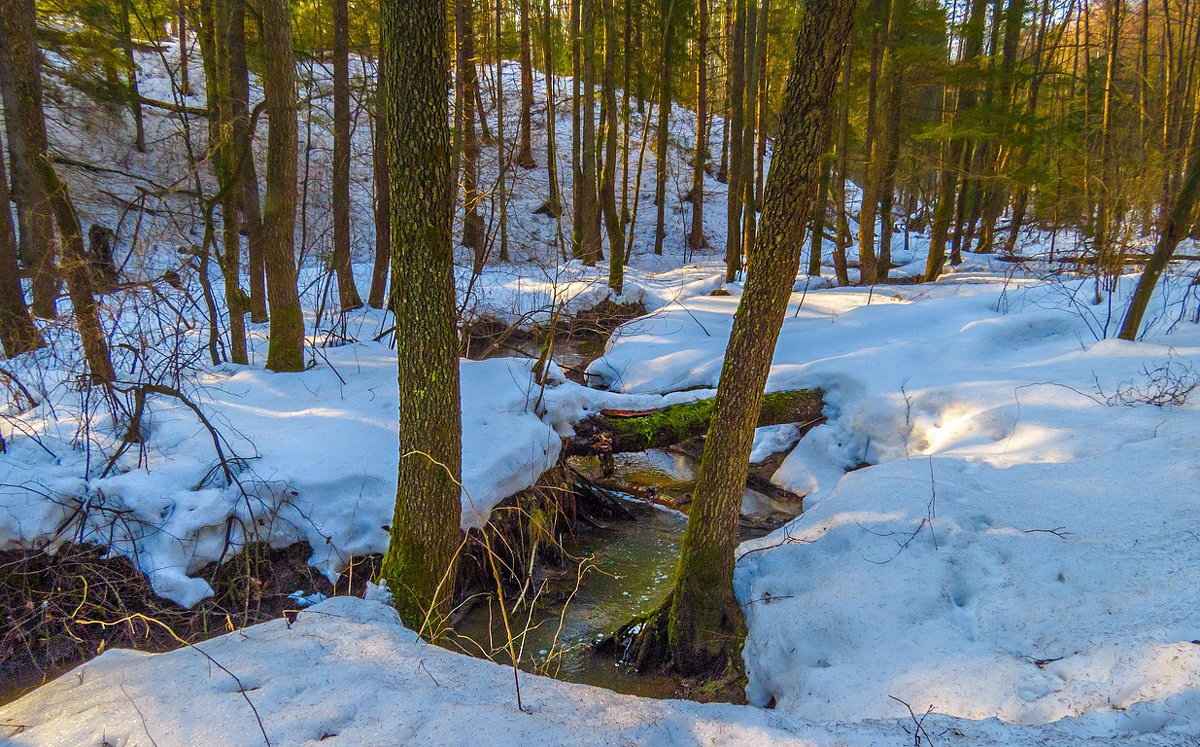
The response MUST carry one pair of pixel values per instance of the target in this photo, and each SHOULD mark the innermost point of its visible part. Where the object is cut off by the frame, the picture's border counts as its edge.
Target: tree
(418, 566)
(286, 351)
(696, 238)
(347, 293)
(735, 91)
(20, 84)
(1176, 229)
(525, 154)
(18, 333)
(700, 626)
(608, 181)
(589, 215)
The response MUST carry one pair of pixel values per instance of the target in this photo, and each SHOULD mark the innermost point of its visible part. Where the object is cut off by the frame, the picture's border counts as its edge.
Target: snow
(321, 457)
(1024, 546)
(347, 671)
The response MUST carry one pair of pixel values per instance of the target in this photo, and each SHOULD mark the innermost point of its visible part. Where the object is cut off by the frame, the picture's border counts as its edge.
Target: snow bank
(320, 455)
(1025, 547)
(346, 672)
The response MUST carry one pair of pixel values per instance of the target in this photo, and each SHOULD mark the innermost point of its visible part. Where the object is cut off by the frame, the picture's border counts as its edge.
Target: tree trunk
(20, 82)
(554, 201)
(696, 238)
(418, 566)
(952, 164)
(286, 351)
(1174, 231)
(736, 105)
(347, 292)
(525, 155)
(473, 230)
(608, 182)
(501, 152)
(135, 99)
(383, 210)
(700, 627)
(843, 163)
(227, 157)
(877, 169)
(18, 333)
(664, 121)
(576, 132)
(589, 215)
(755, 31)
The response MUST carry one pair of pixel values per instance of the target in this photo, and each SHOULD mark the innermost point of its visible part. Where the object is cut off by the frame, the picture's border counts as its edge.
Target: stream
(624, 568)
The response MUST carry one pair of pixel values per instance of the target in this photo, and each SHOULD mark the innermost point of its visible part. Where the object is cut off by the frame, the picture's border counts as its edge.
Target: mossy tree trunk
(347, 292)
(286, 351)
(418, 567)
(700, 626)
(20, 82)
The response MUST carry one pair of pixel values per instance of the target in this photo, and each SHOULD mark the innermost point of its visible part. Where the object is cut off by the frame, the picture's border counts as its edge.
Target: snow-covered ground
(346, 672)
(1021, 557)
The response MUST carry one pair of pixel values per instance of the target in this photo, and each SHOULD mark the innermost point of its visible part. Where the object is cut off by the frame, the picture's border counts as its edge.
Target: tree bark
(589, 215)
(608, 182)
(525, 154)
(696, 238)
(347, 292)
(664, 122)
(418, 566)
(18, 333)
(383, 210)
(736, 105)
(20, 82)
(286, 351)
(700, 627)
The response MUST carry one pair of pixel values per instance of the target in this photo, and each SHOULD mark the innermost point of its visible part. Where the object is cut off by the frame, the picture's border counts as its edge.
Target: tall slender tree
(418, 566)
(18, 333)
(700, 627)
(347, 292)
(20, 84)
(286, 351)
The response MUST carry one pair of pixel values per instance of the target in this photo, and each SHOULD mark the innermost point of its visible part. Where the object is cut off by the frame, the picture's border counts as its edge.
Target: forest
(599, 372)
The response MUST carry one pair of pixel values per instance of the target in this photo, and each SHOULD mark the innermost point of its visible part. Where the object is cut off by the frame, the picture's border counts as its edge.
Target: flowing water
(625, 569)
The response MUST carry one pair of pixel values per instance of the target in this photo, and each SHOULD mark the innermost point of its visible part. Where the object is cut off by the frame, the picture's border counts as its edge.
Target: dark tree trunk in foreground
(18, 333)
(347, 292)
(20, 79)
(286, 352)
(700, 627)
(418, 566)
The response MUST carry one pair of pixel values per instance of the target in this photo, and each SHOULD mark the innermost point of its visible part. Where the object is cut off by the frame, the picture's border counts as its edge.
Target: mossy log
(614, 432)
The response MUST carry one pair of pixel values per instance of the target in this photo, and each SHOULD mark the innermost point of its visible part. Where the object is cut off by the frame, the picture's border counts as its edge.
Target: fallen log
(620, 431)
